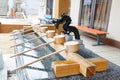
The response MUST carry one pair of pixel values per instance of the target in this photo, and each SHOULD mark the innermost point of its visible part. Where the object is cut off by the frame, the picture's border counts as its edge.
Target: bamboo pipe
(24, 28)
(40, 29)
(59, 39)
(28, 30)
(50, 33)
(26, 41)
(43, 29)
(51, 54)
(39, 59)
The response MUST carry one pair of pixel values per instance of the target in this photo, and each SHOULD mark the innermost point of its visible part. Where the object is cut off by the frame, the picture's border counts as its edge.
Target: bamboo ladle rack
(74, 45)
(49, 34)
(26, 41)
(59, 39)
(42, 30)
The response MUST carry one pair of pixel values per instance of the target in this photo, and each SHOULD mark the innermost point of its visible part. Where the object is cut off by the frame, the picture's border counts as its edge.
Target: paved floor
(110, 53)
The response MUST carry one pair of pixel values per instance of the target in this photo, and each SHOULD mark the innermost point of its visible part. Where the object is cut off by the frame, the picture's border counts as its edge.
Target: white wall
(42, 9)
(114, 22)
(74, 11)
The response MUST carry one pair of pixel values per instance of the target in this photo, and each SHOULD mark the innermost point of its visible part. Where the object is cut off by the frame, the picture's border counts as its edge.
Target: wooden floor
(108, 52)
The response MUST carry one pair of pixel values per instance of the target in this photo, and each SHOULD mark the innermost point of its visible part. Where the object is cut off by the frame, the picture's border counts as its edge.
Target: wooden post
(59, 7)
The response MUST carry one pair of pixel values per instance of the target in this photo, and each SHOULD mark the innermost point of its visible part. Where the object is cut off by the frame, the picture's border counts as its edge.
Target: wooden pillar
(59, 7)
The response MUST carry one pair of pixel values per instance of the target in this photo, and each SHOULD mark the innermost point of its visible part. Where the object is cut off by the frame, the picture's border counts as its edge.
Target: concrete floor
(108, 52)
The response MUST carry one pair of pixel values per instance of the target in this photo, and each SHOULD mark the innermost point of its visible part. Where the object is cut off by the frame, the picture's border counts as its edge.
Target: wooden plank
(27, 27)
(10, 28)
(101, 63)
(65, 68)
(86, 67)
(8, 25)
(86, 30)
(90, 30)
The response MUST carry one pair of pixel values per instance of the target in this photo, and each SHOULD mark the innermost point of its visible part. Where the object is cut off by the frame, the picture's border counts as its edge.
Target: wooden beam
(65, 68)
(59, 7)
(86, 67)
(101, 63)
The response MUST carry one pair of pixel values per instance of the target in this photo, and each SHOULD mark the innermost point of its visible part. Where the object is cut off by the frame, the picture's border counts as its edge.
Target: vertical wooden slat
(103, 27)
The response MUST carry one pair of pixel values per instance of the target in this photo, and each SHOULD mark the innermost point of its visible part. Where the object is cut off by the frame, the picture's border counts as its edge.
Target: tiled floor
(110, 53)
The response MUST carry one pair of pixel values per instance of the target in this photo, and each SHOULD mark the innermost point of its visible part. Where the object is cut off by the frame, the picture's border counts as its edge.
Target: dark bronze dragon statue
(66, 21)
